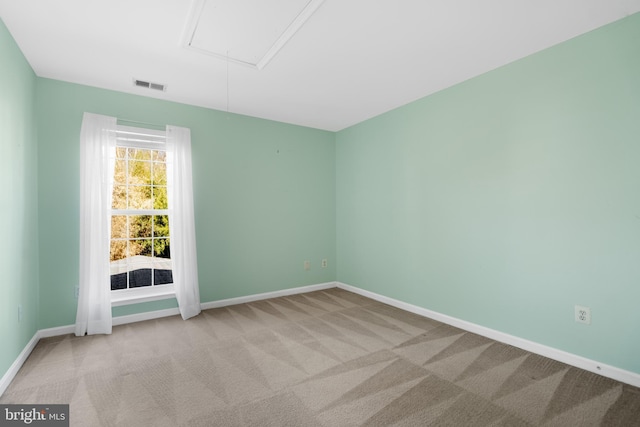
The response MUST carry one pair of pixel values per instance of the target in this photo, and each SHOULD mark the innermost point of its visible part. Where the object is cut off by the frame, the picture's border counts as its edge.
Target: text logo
(34, 415)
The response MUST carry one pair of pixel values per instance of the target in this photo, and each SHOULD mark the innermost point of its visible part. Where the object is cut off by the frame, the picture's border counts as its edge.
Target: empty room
(320, 213)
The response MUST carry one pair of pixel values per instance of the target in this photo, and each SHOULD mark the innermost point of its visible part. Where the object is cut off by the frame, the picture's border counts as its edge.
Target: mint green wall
(509, 198)
(264, 197)
(18, 202)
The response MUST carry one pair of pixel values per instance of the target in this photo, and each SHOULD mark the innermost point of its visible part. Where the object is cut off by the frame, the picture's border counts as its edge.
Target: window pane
(162, 273)
(121, 152)
(119, 266)
(120, 172)
(139, 154)
(159, 173)
(140, 197)
(139, 172)
(119, 197)
(161, 226)
(161, 248)
(139, 226)
(162, 277)
(118, 281)
(140, 277)
(160, 198)
(118, 250)
(159, 156)
(142, 247)
(118, 227)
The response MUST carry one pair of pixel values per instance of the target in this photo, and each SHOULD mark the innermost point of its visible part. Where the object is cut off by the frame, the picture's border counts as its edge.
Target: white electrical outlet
(324, 263)
(307, 265)
(583, 314)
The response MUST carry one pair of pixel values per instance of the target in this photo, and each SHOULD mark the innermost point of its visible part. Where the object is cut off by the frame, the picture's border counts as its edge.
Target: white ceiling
(351, 59)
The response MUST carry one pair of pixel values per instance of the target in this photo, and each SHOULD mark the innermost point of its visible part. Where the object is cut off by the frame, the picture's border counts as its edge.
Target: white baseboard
(56, 332)
(612, 372)
(120, 320)
(132, 318)
(605, 370)
(267, 295)
(17, 364)
(148, 315)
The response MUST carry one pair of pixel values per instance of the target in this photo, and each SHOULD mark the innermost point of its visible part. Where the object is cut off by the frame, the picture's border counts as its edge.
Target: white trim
(119, 320)
(17, 364)
(297, 23)
(148, 315)
(605, 370)
(144, 294)
(267, 295)
(137, 137)
(56, 332)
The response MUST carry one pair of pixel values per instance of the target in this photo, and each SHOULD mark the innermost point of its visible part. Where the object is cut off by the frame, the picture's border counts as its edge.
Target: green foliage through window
(139, 184)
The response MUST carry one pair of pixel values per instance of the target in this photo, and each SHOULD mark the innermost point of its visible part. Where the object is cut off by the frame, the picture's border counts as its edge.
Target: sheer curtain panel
(97, 149)
(182, 228)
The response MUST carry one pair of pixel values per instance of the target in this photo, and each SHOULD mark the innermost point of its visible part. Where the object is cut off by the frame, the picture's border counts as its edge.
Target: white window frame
(134, 137)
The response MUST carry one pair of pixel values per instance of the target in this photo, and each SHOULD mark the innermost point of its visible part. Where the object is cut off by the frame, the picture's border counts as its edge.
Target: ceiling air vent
(148, 85)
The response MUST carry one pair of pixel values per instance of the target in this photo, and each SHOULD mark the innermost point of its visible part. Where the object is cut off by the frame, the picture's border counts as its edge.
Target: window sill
(146, 294)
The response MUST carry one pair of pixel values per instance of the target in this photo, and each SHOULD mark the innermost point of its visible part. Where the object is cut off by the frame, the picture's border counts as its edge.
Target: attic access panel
(250, 32)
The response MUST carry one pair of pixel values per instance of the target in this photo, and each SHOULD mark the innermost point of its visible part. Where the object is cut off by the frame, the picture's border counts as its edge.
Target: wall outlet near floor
(583, 314)
(307, 265)
(76, 291)
(324, 263)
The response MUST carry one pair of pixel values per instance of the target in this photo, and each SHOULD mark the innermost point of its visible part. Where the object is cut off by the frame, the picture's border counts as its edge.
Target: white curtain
(182, 230)
(97, 149)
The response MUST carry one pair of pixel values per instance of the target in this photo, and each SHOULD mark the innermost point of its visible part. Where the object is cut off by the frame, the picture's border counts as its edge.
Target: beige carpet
(326, 358)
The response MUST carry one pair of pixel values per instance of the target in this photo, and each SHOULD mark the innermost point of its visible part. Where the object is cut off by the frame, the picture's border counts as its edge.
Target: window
(140, 245)
(137, 221)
